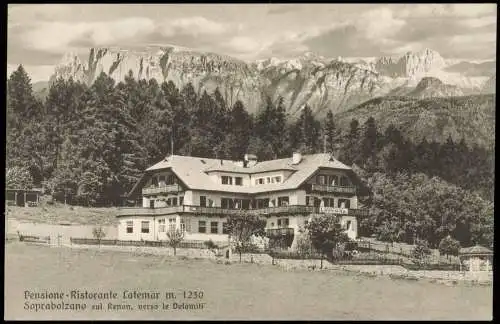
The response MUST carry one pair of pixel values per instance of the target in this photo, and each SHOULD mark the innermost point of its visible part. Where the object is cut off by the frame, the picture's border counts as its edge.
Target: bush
(449, 246)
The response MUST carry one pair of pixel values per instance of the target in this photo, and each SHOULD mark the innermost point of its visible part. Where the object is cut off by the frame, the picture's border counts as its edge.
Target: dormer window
(238, 181)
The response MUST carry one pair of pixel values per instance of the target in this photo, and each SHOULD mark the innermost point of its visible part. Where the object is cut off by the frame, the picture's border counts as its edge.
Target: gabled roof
(477, 249)
(193, 172)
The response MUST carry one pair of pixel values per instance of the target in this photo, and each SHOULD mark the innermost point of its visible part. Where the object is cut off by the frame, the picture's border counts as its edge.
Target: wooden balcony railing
(289, 210)
(279, 231)
(162, 189)
(333, 189)
(144, 211)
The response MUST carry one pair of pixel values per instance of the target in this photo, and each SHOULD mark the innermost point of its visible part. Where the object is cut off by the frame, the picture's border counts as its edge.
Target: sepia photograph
(252, 161)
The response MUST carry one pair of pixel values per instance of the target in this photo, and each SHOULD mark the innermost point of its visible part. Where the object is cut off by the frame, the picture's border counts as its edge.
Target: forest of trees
(91, 143)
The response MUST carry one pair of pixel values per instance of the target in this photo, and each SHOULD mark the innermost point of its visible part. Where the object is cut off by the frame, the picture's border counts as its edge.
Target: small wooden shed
(476, 258)
(23, 197)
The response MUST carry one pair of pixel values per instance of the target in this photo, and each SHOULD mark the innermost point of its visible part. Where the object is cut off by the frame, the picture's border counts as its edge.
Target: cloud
(447, 10)
(379, 23)
(194, 26)
(58, 37)
(277, 9)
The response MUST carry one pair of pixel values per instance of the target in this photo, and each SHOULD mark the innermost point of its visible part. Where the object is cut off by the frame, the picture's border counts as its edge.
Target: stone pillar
(15, 198)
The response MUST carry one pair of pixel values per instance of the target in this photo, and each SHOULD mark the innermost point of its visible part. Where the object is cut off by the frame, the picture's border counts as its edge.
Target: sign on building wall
(333, 210)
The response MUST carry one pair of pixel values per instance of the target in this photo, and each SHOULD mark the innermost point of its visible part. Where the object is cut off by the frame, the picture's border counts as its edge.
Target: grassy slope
(471, 117)
(236, 291)
(63, 214)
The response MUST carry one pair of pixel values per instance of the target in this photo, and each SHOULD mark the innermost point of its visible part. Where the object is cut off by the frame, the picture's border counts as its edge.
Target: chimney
(249, 160)
(296, 158)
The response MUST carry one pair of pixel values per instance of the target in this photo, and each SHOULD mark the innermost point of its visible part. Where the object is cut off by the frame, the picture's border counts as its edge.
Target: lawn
(235, 291)
(57, 214)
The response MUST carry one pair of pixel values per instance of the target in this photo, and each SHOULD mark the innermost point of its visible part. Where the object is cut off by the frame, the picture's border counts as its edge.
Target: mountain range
(322, 83)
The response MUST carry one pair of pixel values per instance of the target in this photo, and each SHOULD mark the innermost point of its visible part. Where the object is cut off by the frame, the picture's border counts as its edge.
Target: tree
(369, 142)
(420, 252)
(449, 246)
(98, 233)
(242, 227)
(174, 238)
(239, 130)
(331, 134)
(306, 131)
(326, 233)
(350, 151)
(304, 244)
(18, 178)
(270, 126)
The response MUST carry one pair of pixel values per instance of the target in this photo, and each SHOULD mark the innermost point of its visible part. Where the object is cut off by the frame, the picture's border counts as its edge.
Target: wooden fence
(183, 244)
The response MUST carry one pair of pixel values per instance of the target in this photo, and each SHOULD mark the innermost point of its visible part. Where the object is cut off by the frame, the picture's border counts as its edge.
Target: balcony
(144, 211)
(174, 188)
(342, 211)
(219, 211)
(279, 231)
(293, 209)
(333, 189)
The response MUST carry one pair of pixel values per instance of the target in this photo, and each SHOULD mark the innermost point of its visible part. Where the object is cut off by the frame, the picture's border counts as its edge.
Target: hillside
(471, 117)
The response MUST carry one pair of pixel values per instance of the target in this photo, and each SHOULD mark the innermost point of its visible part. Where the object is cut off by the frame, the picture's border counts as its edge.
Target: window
(328, 202)
(230, 203)
(238, 181)
(333, 180)
(161, 225)
(344, 182)
(320, 179)
(161, 178)
(268, 180)
(170, 179)
(344, 203)
(238, 203)
(203, 201)
(309, 201)
(185, 225)
(261, 180)
(171, 224)
(174, 201)
(154, 181)
(283, 222)
(130, 227)
(227, 180)
(202, 226)
(225, 230)
(283, 201)
(277, 179)
(214, 227)
(145, 227)
(263, 203)
(181, 201)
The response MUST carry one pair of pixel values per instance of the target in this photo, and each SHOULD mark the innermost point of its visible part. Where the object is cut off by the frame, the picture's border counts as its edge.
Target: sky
(39, 35)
